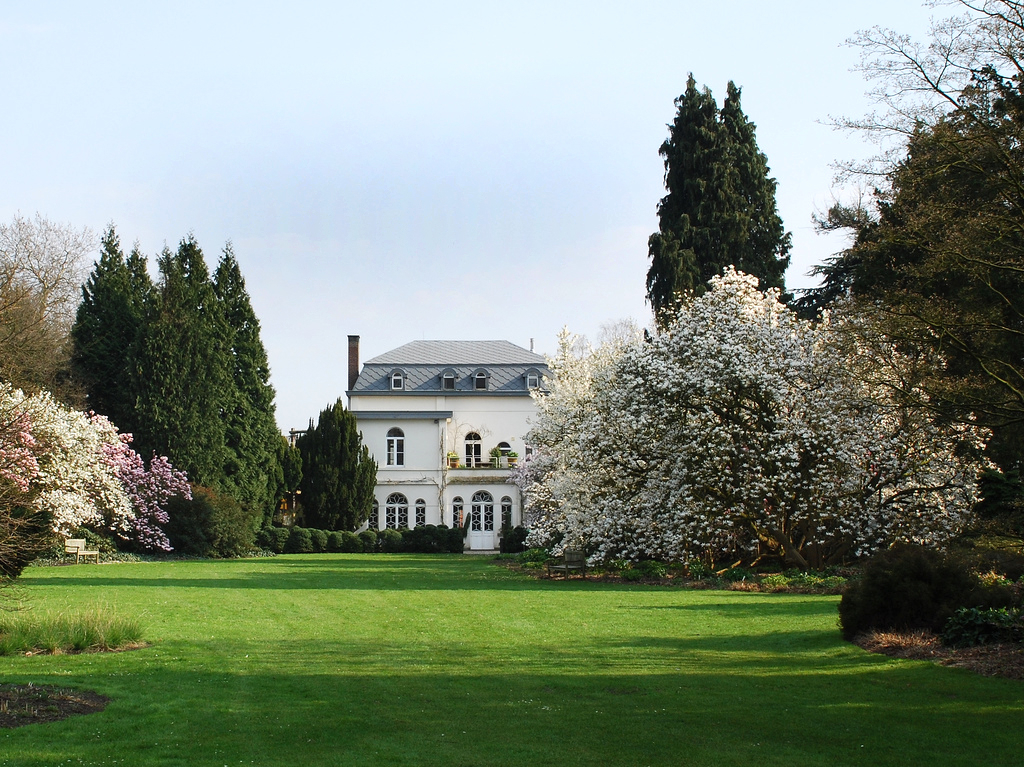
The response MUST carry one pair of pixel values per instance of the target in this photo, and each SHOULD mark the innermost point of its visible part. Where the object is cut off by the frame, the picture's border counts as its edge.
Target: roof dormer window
(480, 380)
(397, 380)
(448, 380)
(532, 379)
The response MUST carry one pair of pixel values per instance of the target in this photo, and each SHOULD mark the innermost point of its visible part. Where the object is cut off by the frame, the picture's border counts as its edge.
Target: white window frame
(395, 447)
(396, 507)
(474, 450)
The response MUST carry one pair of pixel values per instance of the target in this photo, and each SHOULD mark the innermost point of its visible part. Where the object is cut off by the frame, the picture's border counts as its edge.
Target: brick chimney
(353, 361)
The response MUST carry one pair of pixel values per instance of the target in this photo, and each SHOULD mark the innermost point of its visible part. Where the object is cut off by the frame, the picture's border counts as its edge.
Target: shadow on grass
(352, 572)
(382, 703)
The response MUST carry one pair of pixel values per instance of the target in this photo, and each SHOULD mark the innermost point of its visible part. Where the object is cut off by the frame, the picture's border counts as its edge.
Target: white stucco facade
(417, 404)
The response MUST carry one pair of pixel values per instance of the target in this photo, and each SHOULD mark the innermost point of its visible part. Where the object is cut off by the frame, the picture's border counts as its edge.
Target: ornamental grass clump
(90, 631)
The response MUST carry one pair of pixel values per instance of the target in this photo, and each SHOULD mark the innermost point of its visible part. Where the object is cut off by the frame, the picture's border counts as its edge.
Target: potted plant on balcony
(512, 456)
(453, 459)
(497, 459)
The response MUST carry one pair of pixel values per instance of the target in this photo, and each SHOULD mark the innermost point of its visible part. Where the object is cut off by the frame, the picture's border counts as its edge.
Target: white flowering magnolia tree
(741, 431)
(61, 470)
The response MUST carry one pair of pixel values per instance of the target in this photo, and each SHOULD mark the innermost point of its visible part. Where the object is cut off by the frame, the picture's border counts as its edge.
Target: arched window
(421, 512)
(397, 380)
(448, 380)
(396, 447)
(505, 448)
(472, 449)
(480, 380)
(396, 508)
(482, 514)
(457, 512)
(532, 379)
(373, 523)
(506, 512)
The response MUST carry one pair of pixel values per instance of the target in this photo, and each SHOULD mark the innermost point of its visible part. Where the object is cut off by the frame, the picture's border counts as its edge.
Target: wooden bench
(76, 546)
(572, 559)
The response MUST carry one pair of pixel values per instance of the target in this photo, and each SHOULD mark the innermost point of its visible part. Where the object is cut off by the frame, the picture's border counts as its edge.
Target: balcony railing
(490, 462)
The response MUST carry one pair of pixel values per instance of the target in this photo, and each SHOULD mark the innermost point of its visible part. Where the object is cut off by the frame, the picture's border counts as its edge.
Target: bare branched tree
(918, 83)
(42, 267)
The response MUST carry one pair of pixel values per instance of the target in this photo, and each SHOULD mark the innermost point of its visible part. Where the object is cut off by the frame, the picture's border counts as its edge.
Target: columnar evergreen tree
(720, 208)
(251, 433)
(182, 370)
(338, 474)
(110, 317)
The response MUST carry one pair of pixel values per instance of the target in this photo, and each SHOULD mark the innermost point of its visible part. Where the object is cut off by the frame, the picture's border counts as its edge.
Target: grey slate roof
(423, 363)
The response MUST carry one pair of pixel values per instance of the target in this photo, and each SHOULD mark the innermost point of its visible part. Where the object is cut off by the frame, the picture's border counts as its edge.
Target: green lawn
(448, 660)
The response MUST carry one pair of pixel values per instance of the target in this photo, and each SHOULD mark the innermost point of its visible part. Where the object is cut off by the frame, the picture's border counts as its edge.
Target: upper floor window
(472, 449)
(532, 379)
(480, 380)
(397, 380)
(396, 447)
(448, 380)
(504, 448)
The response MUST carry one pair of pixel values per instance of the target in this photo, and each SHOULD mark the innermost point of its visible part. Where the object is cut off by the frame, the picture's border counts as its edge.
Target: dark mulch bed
(22, 704)
(1005, 660)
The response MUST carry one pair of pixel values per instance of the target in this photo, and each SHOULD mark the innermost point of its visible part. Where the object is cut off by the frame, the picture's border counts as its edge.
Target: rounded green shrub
(299, 542)
(272, 538)
(390, 541)
(211, 525)
(319, 540)
(911, 587)
(513, 539)
(350, 542)
(334, 541)
(368, 541)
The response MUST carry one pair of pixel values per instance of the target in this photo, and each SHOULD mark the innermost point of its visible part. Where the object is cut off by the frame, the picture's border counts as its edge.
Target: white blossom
(739, 431)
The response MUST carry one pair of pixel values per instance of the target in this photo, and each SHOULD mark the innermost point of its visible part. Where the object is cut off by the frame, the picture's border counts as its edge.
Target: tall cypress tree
(720, 208)
(338, 473)
(110, 317)
(182, 369)
(251, 433)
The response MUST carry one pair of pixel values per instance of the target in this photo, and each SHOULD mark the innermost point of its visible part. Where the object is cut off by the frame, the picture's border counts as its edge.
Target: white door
(481, 522)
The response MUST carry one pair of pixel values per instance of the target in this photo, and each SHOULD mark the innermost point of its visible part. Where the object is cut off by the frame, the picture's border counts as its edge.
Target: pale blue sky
(412, 170)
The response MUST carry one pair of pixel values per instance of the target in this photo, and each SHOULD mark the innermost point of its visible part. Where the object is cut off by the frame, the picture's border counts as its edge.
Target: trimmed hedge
(426, 539)
(319, 538)
(368, 539)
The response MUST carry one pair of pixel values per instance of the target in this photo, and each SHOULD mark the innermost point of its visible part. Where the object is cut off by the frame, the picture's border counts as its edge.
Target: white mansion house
(444, 420)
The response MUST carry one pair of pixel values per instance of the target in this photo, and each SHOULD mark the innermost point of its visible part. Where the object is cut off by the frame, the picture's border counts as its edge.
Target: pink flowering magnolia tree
(74, 470)
(742, 431)
(148, 488)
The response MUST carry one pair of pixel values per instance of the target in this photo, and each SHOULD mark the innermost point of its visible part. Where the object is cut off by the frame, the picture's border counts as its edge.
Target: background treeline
(179, 364)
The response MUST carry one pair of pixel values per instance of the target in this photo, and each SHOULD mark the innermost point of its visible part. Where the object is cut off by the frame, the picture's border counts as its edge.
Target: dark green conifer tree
(338, 473)
(115, 300)
(182, 370)
(250, 430)
(720, 208)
